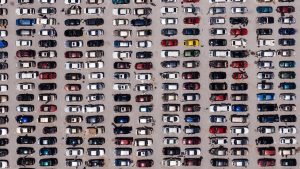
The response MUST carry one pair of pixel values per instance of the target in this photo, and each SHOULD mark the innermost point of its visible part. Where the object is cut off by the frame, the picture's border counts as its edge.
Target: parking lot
(78, 101)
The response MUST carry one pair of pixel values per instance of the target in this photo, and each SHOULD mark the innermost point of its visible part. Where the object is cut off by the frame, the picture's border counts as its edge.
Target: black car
(94, 119)
(218, 86)
(96, 141)
(286, 31)
(74, 141)
(264, 31)
(191, 85)
(3, 55)
(270, 118)
(144, 55)
(47, 86)
(72, 22)
(287, 75)
(26, 140)
(47, 43)
(122, 65)
(170, 64)
(288, 162)
(24, 161)
(3, 119)
(239, 53)
(49, 130)
(94, 22)
(267, 107)
(239, 20)
(47, 140)
(217, 42)
(3, 152)
(265, 20)
(287, 42)
(215, 151)
(217, 75)
(219, 162)
(95, 163)
(73, 76)
(73, 32)
(25, 32)
(190, 31)
(191, 53)
(25, 97)
(122, 108)
(122, 97)
(122, 130)
(239, 86)
(141, 22)
(218, 64)
(264, 140)
(95, 43)
(25, 2)
(25, 150)
(48, 151)
(169, 32)
(171, 151)
(4, 141)
(288, 118)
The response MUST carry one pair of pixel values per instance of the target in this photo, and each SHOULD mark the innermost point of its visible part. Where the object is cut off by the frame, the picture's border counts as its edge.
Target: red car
(285, 9)
(144, 163)
(266, 151)
(191, 108)
(190, 1)
(47, 65)
(239, 64)
(73, 54)
(169, 42)
(144, 98)
(143, 66)
(25, 53)
(47, 75)
(190, 75)
(72, 87)
(191, 140)
(237, 32)
(266, 162)
(191, 20)
(218, 129)
(192, 162)
(218, 97)
(191, 86)
(239, 75)
(123, 141)
(48, 108)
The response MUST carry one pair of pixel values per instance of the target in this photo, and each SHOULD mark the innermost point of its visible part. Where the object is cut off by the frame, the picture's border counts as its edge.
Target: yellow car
(191, 42)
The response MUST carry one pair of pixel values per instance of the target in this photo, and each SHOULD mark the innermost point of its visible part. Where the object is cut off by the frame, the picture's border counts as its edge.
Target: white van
(170, 53)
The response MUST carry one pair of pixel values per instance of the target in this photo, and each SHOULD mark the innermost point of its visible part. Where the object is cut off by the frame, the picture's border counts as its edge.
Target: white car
(239, 10)
(218, 31)
(287, 130)
(266, 42)
(74, 65)
(239, 130)
(47, 54)
(288, 140)
(145, 119)
(143, 87)
(23, 43)
(120, 22)
(168, 21)
(240, 162)
(94, 64)
(142, 11)
(238, 0)
(192, 151)
(217, 20)
(46, 21)
(96, 151)
(218, 140)
(74, 43)
(27, 75)
(3, 33)
(191, 10)
(97, 2)
(266, 53)
(121, 86)
(171, 162)
(169, 118)
(217, 119)
(48, 1)
(168, 10)
(170, 75)
(95, 32)
(72, 1)
(25, 86)
(25, 11)
(74, 162)
(220, 108)
(3, 88)
(74, 152)
(124, 33)
(73, 108)
(121, 11)
(4, 163)
(122, 55)
(172, 129)
(144, 44)
(93, 108)
(96, 75)
(287, 20)
(94, 10)
(144, 32)
(143, 76)
(287, 96)
(95, 86)
(266, 64)
(3, 131)
(2, 2)
(143, 142)
(217, 1)
(239, 43)
(170, 140)
(25, 129)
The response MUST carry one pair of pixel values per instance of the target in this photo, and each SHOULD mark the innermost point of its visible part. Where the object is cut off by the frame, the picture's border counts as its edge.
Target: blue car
(24, 119)
(264, 9)
(141, 22)
(121, 119)
(192, 118)
(286, 31)
(120, 1)
(26, 22)
(268, 118)
(265, 96)
(191, 31)
(239, 108)
(123, 162)
(3, 44)
(119, 44)
(287, 64)
(287, 86)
